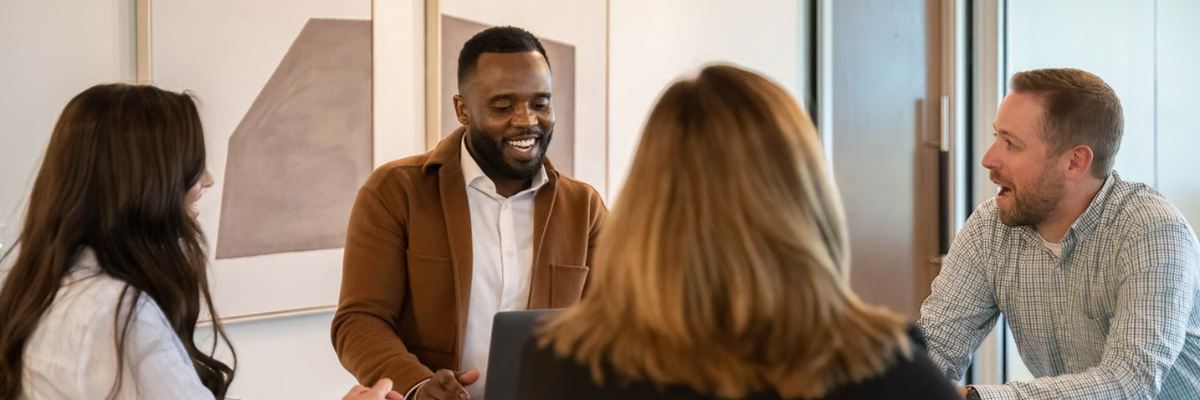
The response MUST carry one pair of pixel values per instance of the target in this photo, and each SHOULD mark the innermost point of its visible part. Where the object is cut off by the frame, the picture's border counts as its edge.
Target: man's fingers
(445, 386)
(468, 377)
(441, 393)
(443, 377)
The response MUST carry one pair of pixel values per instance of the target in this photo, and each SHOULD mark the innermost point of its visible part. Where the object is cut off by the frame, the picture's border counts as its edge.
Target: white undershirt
(1055, 248)
(502, 260)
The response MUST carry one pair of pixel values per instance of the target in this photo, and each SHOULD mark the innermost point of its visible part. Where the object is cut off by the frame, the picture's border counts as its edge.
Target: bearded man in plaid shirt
(1097, 277)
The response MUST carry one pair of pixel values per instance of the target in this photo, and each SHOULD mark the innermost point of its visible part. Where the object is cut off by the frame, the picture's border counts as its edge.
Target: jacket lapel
(457, 212)
(543, 204)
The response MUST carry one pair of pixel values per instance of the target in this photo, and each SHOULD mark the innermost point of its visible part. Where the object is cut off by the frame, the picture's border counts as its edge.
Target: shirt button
(510, 253)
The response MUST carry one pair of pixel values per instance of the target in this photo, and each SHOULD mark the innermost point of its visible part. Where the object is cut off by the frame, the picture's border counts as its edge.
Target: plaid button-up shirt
(1117, 316)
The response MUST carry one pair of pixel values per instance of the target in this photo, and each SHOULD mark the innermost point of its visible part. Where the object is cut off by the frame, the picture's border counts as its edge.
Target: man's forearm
(1096, 383)
(369, 349)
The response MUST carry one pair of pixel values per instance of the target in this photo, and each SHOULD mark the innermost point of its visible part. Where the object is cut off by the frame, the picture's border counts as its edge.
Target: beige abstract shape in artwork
(299, 155)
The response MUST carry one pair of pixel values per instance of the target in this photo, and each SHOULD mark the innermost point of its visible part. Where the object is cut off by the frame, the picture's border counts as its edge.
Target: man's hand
(447, 385)
(381, 390)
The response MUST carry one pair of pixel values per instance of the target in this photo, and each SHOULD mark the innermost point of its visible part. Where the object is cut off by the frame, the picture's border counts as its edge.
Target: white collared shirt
(502, 260)
(72, 353)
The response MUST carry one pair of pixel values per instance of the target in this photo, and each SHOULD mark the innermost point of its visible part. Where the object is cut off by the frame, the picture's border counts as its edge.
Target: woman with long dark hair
(109, 277)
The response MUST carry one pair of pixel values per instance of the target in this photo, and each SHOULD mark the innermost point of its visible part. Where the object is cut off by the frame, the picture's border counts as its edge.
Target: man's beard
(491, 153)
(1032, 205)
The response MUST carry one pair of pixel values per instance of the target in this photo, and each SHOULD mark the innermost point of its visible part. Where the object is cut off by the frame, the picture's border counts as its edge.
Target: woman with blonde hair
(722, 271)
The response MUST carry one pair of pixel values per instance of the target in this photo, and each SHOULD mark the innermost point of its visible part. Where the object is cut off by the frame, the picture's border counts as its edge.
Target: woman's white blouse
(72, 354)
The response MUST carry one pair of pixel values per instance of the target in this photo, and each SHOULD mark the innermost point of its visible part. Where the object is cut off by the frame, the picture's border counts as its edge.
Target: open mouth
(1003, 190)
(523, 143)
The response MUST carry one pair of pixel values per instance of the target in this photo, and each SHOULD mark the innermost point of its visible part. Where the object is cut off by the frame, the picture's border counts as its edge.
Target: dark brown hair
(1080, 109)
(497, 39)
(114, 179)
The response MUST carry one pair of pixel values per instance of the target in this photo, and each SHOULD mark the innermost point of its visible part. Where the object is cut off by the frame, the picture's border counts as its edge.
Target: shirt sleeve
(158, 364)
(961, 308)
(1147, 331)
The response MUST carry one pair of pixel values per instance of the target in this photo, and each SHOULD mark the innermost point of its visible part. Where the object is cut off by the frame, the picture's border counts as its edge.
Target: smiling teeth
(522, 144)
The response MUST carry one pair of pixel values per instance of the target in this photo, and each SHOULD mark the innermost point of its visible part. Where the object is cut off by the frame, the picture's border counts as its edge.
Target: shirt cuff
(413, 389)
(996, 392)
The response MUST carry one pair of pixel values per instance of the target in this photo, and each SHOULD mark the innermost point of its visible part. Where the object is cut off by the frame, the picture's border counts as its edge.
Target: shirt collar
(1091, 217)
(474, 177)
(85, 266)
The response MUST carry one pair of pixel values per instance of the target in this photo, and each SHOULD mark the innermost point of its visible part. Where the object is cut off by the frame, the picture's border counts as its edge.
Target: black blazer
(545, 376)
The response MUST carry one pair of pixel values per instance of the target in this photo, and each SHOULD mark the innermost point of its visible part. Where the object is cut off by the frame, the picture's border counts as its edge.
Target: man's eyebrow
(997, 131)
(502, 96)
(511, 96)
(1009, 136)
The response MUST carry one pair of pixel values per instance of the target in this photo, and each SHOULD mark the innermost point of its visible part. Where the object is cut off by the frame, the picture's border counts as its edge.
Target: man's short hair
(1080, 109)
(497, 39)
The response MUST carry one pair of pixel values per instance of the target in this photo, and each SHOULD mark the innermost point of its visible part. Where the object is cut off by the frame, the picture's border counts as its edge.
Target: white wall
(1113, 39)
(1147, 54)
(398, 57)
(653, 43)
(284, 358)
(1178, 121)
(49, 52)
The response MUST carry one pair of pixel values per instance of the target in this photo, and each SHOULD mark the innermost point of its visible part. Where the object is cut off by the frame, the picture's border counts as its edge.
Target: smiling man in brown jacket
(439, 242)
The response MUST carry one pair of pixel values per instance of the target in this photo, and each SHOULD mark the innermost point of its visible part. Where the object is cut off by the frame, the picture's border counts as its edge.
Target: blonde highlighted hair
(724, 263)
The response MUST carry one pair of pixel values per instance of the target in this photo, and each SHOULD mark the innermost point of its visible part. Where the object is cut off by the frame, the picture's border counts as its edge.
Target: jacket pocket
(566, 284)
(431, 312)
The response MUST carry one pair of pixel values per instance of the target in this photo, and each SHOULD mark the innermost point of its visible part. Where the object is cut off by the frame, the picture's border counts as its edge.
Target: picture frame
(254, 70)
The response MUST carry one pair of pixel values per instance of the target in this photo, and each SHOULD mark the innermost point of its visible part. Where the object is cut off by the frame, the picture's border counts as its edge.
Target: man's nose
(524, 117)
(990, 159)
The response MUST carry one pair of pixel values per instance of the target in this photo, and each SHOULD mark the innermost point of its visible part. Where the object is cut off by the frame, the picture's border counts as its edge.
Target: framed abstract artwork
(285, 96)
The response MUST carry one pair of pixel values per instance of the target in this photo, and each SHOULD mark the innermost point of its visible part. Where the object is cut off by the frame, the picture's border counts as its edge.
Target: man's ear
(1080, 162)
(460, 110)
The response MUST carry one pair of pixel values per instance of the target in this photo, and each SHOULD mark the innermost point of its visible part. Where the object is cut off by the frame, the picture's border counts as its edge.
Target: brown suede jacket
(406, 274)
